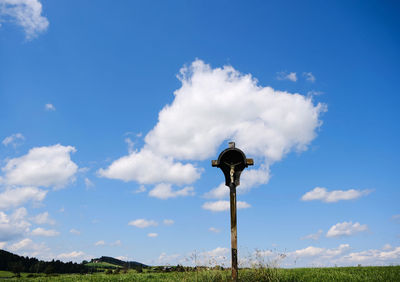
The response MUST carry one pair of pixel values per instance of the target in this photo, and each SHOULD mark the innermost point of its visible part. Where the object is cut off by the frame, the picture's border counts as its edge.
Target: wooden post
(232, 162)
(233, 232)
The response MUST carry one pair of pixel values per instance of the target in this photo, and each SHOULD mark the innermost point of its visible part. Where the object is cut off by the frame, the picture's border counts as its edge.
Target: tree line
(18, 264)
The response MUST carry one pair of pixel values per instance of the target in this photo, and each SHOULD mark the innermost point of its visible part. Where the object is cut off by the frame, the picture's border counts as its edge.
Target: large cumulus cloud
(211, 107)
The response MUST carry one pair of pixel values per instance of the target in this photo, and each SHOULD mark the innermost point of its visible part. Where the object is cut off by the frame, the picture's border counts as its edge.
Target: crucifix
(232, 162)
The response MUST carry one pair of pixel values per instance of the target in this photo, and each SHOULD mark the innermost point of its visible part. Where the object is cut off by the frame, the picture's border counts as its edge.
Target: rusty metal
(232, 162)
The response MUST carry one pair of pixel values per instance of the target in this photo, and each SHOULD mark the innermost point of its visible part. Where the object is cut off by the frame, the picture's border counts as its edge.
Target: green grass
(102, 265)
(384, 273)
(5, 274)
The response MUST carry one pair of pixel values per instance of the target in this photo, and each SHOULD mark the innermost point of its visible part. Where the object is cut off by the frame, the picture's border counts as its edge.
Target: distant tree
(180, 268)
(117, 270)
(139, 269)
(84, 262)
(17, 268)
(49, 268)
(108, 271)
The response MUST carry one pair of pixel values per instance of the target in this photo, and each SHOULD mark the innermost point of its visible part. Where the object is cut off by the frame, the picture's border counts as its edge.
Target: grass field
(102, 265)
(375, 273)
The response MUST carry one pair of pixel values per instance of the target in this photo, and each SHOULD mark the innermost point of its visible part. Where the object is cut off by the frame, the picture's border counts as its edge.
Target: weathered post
(232, 162)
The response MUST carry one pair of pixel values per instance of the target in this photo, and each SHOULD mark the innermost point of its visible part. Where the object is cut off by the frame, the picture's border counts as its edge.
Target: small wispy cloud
(116, 243)
(309, 76)
(88, 183)
(71, 255)
(314, 236)
(43, 218)
(100, 243)
(292, 76)
(142, 223)
(164, 191)
(45, 232)
(13, 140)
(25, 13)
(152, 235)
(346, 229)
(168, 221)
(49, 107)
(130, 144)
(219, 206)
(141, 189)
(74, 231)
(322, 194)
(213, 229)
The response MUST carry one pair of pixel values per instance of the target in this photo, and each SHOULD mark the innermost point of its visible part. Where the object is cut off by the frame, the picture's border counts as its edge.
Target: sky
(111, 112)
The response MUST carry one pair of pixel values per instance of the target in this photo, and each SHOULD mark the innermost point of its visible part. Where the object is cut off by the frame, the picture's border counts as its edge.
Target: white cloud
(13, 139)
(100, 243)
(13, 226)
(309, 251)
(265, 123)
(88, 183)
(116, 243)
(142, 223)
(164, 191)
(343, 255)
(292, 76)
(372, 257)
(219, 206)
(43, 232)
(168, 221)
(166, 259)
(346, 229)
(220, 192)
(314, 93)
(322, 194)
(130, 144)
(43, 218)
(71, 255)
(27, 14)
(322, 252)
(42, 166)
(145, 167)
(75, 232)
(213, 229)
(152, 235)
(26, 247)
(14, 197)
(23, 244)
(141, 189)
(309, 76)
(250, 178)
(49, 107)
(314, 236)
(217, 256)
(3, 245)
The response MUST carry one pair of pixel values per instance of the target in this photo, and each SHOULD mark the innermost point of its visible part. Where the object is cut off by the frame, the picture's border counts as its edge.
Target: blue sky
(111, 112)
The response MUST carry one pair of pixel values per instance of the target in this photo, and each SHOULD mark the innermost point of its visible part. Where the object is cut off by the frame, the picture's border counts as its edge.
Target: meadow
(373, 273)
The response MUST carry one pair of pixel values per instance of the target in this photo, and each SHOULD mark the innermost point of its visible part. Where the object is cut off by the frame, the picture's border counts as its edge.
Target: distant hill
(111, 260)
(17, 264)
